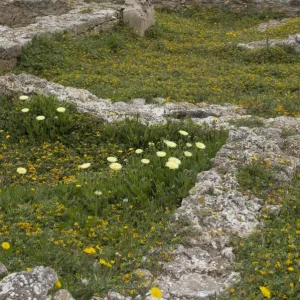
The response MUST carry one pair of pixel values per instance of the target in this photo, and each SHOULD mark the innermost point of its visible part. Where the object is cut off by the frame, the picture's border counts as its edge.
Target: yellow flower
(84, 166)
(104, 263)
(156, 292)
(5, 245)
(175, 160)
(172, 165)
(89, 250)
(112, 159)
(145, 161)
(23, 97)
(28, 269)
(21, 170)
(291, 269)
(115, 166)
(61, 109)
(58, 284)
(265, 291)
(170, 144)
(200, 145)
(182, 132)
(161, 153)
(187, 153)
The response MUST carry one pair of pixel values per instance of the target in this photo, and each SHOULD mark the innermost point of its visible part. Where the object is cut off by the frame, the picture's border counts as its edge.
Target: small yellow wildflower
(265, 291)
(58, 284)
(156, 292)
(5, 245)
(291, 269)
(21, 171)
(89, 250)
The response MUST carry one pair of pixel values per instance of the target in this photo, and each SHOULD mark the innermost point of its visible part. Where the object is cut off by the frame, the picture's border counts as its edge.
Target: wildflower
(98, 193)
(291, 269)
(5, 245)
(182, 132)
(23, 97)
(28, 269)
(187, 153)
(112, 159)
(104, 263)
(151, 144)
(115, 166)
(172, 165)
(40, 118)
(58, 284)
(139, 151)
(161, 153)
(170, 144)
(188, 145)
(89, 250)
(21, 170)
(175, 160)
(61, 109)
(25, 110)
(7, 137)
(265, 291)
(200, 145)
(84, 281)
(145, 161)
(125, 200)
(84, 166)
(156, 292)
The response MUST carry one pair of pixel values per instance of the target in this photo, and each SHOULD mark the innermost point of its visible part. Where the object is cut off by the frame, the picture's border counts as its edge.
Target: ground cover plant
(91, 199)
(189, 55)
(269, 259)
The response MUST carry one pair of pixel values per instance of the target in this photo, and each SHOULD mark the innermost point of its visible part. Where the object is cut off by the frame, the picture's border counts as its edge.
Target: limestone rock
(138, 15)
(3, 270)
(28, 285)
(62, 295)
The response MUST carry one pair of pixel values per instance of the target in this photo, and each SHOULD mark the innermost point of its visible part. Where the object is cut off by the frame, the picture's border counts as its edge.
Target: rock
(3, 270)
(272, 23)
(34, 284)
(62, 295)
(145, 276)
(18, 13)
(138, 15)
(111, 296)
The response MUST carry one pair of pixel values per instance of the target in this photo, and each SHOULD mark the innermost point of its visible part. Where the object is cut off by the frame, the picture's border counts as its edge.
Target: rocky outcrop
(33, 284)
(18, 13)
(138, 15)
(291, 7)
(292, 41)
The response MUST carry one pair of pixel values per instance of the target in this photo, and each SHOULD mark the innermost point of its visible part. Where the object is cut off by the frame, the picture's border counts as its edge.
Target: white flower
(139, 151)
(182, 132)
(125, 200)
(61, 109)
(21, 170)
(187, 153)
(172, 165)
(145, 161)
(200, 145)
(112, 159)
(188, 145)
(84, 166)
(25, 110)
(84, 281)
(161, 153)
(170, 144)
(98, 193)
(175, 160)
(40, 118)
(23, 97)
(151, 144)
(115, 166)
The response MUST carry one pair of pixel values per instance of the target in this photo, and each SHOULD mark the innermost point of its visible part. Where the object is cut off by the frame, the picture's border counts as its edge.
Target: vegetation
(269, 259)
(91, 199)
(189, 55)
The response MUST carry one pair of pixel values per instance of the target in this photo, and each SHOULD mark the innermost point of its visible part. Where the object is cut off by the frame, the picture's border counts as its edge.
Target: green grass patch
(250, 122)
(189, 55)
(72, 211)
(269, 259)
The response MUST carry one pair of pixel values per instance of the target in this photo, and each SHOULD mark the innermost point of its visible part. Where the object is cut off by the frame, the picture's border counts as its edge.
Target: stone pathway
(215, 208)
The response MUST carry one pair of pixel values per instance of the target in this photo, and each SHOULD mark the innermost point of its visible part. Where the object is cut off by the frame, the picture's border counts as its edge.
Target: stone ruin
(201, 267)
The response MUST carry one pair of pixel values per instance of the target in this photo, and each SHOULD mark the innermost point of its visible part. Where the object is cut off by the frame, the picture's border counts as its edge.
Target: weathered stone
(3, 270)
(28, 285)
(144, 276)
(272, 24)
(138, 15)
(111, 296)
(17, 13)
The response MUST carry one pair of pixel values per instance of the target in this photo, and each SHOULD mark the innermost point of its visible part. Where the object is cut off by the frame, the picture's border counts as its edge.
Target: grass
(270, 257)
(189, 55)
(94, 225)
